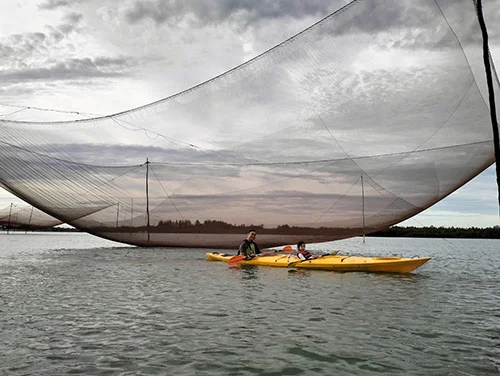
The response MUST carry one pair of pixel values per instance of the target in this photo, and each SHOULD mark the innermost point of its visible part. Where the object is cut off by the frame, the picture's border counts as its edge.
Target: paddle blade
(235, 260)
(287, 249)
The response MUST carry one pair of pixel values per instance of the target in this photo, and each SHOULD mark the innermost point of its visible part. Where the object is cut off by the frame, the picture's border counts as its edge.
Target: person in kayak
(250, 249)
(302, 253)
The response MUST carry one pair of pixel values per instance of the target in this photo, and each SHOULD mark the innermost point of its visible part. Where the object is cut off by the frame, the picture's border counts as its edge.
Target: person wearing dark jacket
(250, 249)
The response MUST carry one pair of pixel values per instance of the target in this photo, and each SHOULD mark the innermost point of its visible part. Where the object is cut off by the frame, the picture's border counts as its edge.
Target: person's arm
(257, 249)
(243, 249)
(301, 256)
(271, 252)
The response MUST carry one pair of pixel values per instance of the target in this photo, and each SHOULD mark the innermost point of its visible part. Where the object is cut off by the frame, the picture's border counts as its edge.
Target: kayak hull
(339, 263)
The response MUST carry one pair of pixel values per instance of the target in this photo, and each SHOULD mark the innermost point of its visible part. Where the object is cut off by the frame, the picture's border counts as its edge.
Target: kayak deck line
(341, 263)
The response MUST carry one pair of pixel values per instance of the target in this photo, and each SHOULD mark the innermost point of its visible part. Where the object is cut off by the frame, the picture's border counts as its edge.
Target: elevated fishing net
(26, 217)
(361, 121)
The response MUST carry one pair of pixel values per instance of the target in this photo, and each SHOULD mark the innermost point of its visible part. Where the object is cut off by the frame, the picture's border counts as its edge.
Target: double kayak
(339, 263)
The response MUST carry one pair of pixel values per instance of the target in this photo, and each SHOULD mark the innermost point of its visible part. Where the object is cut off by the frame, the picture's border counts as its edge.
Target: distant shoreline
(393, 232)
(440, 232)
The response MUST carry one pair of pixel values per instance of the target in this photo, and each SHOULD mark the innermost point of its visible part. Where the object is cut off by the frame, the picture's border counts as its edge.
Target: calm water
(75, 304)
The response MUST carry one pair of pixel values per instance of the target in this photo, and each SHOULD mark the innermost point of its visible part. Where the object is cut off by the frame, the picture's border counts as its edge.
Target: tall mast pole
(10, 213)
(29, 221)
(131, 212)
(147, 197)
(117, 214)
(363, 205)
(491, 93)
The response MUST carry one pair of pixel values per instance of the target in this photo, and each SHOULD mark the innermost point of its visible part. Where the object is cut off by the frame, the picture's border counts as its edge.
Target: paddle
(293, 263)
(286, 249)
(235, 260)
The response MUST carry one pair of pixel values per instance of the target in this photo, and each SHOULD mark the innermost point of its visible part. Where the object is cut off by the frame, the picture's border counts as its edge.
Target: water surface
(76, 304)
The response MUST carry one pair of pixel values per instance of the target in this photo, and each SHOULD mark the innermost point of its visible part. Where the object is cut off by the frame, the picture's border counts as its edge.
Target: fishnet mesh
(26, 217)
(361, 121)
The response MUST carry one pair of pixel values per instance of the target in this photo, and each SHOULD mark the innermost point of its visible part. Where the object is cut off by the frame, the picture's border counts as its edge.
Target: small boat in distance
(338, 263)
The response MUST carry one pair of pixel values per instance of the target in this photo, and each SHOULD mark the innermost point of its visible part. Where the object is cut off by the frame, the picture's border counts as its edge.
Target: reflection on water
(249, 272)
(299, 273)
(76, 304)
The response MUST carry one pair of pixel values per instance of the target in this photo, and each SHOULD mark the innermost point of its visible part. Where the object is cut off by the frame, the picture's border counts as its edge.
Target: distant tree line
(19, 228)
(221, 227)
(440, 232)
(218, 227)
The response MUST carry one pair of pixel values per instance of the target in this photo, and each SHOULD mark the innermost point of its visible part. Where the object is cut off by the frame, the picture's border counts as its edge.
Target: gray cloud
(422, 24)
(56, 35)
(73, 17)
(369, 17)
(6, 50)
(33, 56)
(20, 46)
(70, 24)
(41, 56)
(244, 12)
(66, 28)
(70, 69)
(53, 4)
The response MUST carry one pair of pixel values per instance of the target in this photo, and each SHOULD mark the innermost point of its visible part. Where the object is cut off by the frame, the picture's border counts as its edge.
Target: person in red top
(302, 253)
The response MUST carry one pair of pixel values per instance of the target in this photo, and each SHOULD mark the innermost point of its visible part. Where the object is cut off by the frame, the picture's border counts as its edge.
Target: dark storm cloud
(207, 12)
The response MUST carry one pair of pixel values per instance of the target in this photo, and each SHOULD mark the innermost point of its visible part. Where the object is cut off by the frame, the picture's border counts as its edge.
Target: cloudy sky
(79, 56)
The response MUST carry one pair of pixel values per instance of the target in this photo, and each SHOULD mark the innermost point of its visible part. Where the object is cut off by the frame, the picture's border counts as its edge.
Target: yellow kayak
(340, 263)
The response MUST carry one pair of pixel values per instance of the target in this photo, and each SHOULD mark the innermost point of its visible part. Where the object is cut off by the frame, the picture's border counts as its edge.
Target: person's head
(251, 235)
(301, 246)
